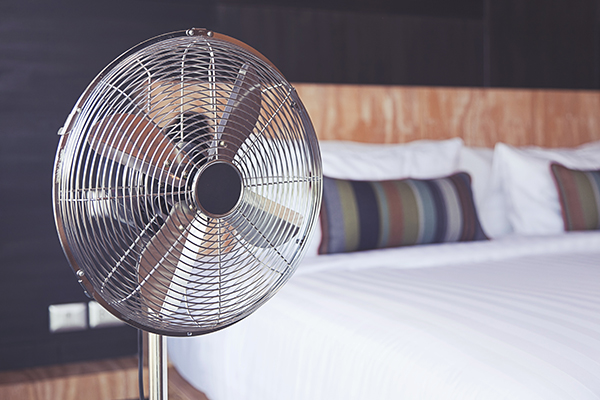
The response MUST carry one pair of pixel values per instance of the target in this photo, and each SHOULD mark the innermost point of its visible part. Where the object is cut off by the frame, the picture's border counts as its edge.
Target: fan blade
(265, 216)
(166, 261)
(136, 142)
(242, 110)
(190, 132)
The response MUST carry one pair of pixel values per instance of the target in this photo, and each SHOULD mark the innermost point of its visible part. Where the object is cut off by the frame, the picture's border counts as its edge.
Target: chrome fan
(187, 181)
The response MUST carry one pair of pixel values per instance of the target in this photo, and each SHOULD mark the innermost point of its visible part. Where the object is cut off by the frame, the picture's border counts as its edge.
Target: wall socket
(100, 318)
(68, 317)
(80, 316)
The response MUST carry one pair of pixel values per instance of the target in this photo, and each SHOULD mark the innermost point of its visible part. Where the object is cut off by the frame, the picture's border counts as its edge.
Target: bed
(440, 312)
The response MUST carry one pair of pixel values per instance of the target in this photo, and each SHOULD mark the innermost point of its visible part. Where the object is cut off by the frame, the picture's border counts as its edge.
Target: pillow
(363, 215)
(489, 199)
(366, 161)
(532, 204)
(312, 247)
(579, 195)
(477, 162)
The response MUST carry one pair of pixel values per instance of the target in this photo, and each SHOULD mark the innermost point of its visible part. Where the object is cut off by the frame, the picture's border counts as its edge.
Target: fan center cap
(218, 188)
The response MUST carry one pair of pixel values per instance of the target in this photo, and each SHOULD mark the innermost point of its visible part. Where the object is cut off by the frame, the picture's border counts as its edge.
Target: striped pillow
(363, 215)
(579, 194)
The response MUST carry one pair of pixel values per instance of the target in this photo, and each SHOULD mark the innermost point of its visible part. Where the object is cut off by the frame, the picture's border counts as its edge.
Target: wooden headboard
(482, 117)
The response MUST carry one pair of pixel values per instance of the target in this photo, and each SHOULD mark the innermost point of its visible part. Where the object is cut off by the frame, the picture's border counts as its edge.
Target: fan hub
(218, 188)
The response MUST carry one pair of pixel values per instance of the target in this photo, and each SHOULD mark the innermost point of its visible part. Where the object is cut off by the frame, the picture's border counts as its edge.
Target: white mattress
(517, 318)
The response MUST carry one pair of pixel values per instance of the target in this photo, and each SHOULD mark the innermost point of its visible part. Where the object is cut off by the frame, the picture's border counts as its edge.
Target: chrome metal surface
(158, 378)
(124, 196)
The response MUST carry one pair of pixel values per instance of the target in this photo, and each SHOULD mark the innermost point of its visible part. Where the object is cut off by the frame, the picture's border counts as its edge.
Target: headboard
(482, 117)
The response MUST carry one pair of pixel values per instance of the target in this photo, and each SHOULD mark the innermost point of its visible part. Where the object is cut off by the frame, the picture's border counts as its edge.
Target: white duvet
(514, 318)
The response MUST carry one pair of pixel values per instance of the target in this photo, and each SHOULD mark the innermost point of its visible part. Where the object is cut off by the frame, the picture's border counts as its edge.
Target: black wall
(49, 51)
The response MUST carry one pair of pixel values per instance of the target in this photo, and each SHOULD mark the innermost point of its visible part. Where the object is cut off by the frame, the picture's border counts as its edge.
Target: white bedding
(513, 318)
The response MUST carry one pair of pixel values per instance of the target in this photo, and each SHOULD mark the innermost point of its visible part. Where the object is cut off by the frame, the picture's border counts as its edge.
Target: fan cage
(125, 198)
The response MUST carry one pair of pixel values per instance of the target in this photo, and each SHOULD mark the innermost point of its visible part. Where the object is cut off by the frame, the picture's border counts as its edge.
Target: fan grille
(127, 192)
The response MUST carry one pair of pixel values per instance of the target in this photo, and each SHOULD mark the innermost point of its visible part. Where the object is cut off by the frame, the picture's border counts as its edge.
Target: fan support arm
(157, 367)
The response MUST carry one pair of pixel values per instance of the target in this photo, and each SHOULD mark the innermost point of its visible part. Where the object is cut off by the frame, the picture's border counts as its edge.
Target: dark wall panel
(433, 8)
(348, 47)
(542, 44)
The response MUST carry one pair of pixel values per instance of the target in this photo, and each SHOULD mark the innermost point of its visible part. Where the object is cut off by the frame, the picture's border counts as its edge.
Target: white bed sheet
(514, 318)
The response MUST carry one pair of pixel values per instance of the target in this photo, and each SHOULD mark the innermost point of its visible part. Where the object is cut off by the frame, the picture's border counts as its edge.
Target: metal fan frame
(64, 132)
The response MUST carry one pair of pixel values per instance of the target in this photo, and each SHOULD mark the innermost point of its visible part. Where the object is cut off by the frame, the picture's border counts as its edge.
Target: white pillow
(421, 159)
(489, 199)
(532, 204)
(312, 248)
(477, 161)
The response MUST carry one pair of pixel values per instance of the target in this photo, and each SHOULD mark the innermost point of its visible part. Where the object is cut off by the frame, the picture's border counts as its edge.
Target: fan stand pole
(157, 367)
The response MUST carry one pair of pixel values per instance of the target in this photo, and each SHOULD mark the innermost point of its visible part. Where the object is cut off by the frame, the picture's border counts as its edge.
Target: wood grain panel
(112, 379)
(482, 117)
(108, 379)
(566, 117)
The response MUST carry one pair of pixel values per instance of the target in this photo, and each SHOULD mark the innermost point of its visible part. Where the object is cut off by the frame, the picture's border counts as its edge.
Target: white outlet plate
(68, 317)
(100, 318)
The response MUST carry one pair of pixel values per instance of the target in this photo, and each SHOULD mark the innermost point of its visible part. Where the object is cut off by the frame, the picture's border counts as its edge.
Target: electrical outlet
(68, 317)
(100, 318)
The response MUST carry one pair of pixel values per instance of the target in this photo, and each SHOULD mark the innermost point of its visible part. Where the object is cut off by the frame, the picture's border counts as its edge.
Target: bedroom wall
(49, 51)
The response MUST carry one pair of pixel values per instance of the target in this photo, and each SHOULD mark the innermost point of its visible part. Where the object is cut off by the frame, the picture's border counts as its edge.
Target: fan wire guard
(147, 236)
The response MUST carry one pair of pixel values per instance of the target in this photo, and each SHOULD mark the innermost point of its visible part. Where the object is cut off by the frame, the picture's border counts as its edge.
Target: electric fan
(187, 181)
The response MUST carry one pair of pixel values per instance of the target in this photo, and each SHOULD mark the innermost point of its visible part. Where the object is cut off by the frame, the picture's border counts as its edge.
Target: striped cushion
(363, 215)
(579, 194)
